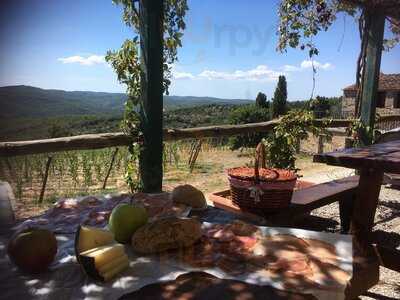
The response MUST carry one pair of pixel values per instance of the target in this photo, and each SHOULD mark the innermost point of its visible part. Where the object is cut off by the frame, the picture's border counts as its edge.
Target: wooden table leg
(365, 205)
(346, 207)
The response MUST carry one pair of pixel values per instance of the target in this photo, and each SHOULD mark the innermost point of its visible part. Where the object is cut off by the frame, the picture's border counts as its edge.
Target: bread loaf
(189, 195)
(166, 234)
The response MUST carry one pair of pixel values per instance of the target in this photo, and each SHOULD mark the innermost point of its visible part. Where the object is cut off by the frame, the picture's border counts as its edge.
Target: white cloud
(86, 61)
(177, 74)
(307, 64)
(290, 68)
(182, 75)
(261, 72)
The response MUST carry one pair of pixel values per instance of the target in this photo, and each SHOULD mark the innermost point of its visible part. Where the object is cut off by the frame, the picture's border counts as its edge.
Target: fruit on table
(33, 249)
(104, 262)
(125, 219)
(99, 255)
(189, 195)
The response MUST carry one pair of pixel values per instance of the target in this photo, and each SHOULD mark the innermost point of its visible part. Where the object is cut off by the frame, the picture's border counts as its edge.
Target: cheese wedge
(115, 270)
(91, 237)
(112, 264)
(99, 255)
(104, 254)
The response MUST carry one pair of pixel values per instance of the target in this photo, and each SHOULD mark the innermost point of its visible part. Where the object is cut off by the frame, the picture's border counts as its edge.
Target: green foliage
(126, 64)
(299, 105)
(280, 98)
(357, 130)
(31, 102)
(206, 115)
(56, 130)
(261, 100)
(248, 114)
(324, 107)
(282, 142)
(300, 21)
(320, 106)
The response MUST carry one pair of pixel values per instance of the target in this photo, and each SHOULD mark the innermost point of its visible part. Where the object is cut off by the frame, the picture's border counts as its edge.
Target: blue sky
(228, 49)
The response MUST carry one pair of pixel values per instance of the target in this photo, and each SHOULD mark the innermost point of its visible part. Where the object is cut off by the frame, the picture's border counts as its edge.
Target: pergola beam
(151, 112)
(375, 21)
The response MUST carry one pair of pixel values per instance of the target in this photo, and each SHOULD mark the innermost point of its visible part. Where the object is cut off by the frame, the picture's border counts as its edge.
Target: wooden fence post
(195, 155)
(109, 169)
(321, 138)
(151, 109)
(46, 175)
(191, 151)
(298, 145)
(348, 142)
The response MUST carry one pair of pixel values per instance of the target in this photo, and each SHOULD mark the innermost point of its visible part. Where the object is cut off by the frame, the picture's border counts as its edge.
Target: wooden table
(372, 162)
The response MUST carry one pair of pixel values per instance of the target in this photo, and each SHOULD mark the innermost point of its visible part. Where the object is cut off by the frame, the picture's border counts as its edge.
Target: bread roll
(189, 195)
(166, 234)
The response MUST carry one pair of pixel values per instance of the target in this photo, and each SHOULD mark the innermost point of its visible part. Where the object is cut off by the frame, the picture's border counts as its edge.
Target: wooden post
(195, 155)
(191, 151)
(46, 175)
(348, 142)
(151, 112)
(298, 145)
(375, 21)
(321, 143)
(110, 168)
(261, 155)
(365, 205)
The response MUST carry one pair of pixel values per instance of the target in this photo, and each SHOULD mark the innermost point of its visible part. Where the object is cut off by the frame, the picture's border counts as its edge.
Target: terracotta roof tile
(387, 82)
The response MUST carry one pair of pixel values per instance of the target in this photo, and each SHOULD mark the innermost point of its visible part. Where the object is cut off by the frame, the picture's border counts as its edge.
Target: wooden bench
(304, 200)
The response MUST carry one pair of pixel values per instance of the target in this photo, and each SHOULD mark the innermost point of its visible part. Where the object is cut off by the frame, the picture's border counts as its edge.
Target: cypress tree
(280, 98)
(261, 100)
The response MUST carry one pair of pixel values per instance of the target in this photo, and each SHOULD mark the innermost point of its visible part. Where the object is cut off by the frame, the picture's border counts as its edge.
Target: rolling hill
(32, 102)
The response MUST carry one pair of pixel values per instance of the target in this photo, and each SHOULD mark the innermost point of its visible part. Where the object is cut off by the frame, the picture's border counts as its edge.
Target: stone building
(388, 101)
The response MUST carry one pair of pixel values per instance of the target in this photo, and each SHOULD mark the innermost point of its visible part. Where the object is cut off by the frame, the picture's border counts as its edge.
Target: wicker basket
(255, 189)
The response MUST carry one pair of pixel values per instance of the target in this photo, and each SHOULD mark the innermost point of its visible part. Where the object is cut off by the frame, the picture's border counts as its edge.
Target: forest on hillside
(12, 129)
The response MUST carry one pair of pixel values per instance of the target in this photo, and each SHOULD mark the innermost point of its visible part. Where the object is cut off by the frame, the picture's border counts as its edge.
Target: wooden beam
(151, 112)
(375, 22)
(107, 140)
(80, 142)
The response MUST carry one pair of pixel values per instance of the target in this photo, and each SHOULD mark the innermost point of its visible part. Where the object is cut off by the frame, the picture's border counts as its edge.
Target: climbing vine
(356, 127)
(126, 63)
(282, 143)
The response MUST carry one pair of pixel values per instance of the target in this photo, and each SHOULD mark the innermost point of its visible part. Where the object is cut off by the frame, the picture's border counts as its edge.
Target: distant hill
(32, 102)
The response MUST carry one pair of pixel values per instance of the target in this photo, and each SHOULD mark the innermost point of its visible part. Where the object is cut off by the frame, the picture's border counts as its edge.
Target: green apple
(125, 219)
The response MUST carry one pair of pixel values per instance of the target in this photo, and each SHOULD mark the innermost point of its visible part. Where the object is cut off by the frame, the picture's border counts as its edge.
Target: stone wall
(392, 104)
(348, 100)
(388, 111)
